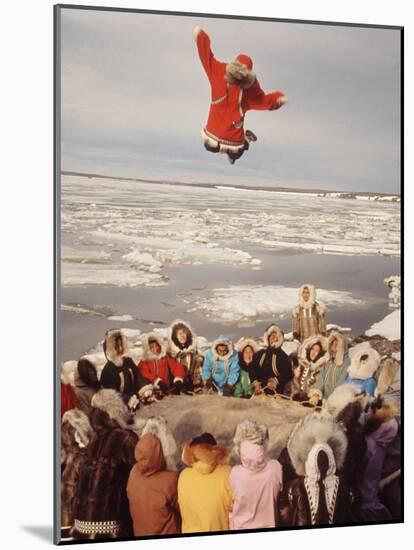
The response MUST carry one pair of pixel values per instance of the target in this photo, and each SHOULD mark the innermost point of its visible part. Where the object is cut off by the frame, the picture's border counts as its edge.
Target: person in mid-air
(234, 91)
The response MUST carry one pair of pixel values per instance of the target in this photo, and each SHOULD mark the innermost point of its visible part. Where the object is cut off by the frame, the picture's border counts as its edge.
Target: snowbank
(389, 327)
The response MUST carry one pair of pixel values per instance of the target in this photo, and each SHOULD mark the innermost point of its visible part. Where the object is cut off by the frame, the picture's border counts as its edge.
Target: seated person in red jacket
(120, 372)
(164, 372)
(234, 91)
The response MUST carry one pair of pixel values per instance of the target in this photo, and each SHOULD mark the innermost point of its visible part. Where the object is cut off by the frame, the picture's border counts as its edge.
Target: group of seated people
(309, 375)
(116, 485)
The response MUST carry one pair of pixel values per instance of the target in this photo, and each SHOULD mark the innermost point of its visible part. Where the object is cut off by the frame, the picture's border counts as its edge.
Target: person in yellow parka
(204, 491)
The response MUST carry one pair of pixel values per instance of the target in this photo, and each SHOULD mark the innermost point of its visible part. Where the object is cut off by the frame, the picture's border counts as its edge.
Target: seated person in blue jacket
(221, 367)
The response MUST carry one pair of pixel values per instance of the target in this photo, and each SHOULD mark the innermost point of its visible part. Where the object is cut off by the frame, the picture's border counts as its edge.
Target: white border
(27, 260)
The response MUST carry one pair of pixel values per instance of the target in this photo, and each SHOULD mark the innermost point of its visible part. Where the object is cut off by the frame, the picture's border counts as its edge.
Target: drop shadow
(44, 533)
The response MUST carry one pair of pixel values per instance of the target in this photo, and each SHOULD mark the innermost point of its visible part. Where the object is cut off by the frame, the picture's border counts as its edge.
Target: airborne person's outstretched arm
(207, 58)
(256, 99)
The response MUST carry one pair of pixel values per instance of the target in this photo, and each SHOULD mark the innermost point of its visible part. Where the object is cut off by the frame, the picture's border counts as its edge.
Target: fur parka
(186, 354)
(308, 318)
(234, 91)
(101, 492)
(272, 364)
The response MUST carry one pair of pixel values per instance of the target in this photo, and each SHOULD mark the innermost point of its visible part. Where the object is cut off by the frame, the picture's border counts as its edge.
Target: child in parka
(247, 361)
(273, 369)
(120, 372)
(204, 490)
(165, 373)
(256, 482)
(308, 318)
(312, 356)
(334, 372)
(182, 346)
(221, 367)
(234, 91)
(152, 491)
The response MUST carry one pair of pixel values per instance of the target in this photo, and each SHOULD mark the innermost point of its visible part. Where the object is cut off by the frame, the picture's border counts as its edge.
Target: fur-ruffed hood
(239, 72)
(205, 457)
(244, 342)
(148, 355)
(80, 423)
(380, 416)
(387, 371)
(111, 402)
(158, 426)
(225, 340)
(342, 348)
(251, 431)
(362, 369)
(173, 344)
(313, 429)
(342, 396)
(312, 296)
(109, 347)
(280, 336)
(306, 346)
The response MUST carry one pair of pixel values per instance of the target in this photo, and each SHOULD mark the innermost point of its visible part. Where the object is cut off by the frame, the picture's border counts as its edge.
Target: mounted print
(228, 274)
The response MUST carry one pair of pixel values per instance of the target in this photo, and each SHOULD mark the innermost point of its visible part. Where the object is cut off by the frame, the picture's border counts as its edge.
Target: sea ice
(236, 304)
(389, 327)
(122, 318)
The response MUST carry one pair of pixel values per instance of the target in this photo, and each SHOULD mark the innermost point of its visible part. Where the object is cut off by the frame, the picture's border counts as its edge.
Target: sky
(134, 98)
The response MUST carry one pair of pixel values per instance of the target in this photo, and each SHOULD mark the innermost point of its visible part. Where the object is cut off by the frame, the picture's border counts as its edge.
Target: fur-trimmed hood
(342, 348)
(381, 415)
(251, 431)
(111, 402)
(280, 336)
(312, 296)
(316, 428)
(204, 457)
(149, 456)
(148, 355)
(158, 426)
(342, 396)
(244, 342)
(80, 423)
(365, 361)
(109, 346)
(239, 72)
(174, 347)
(225, 340)
(306, 346)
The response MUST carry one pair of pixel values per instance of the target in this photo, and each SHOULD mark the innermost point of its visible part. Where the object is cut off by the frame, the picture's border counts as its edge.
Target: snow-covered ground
(247, 304)
(124, 233)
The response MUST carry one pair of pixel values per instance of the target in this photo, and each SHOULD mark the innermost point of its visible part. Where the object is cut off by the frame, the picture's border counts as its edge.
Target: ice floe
(136, 229)
(248, 303)
(389, 327)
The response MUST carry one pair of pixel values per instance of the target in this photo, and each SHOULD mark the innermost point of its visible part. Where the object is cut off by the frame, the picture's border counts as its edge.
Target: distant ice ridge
(389, 327)
(248, 303)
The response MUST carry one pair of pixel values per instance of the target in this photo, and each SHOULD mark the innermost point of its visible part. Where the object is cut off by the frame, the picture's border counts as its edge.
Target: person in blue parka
(365, 361)
(221, 366)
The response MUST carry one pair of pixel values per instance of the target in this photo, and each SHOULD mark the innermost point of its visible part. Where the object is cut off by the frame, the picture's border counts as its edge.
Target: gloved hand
(227, 390)
(177, 387)
(133, 403)
(272, 383)
(208, 383)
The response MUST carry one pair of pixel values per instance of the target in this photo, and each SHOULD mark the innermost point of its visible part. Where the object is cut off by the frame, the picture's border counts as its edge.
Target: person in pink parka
(256, 482)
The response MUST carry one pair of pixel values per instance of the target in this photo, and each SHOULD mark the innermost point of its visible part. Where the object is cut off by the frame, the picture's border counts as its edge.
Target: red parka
(156, 367)
(230, 102)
